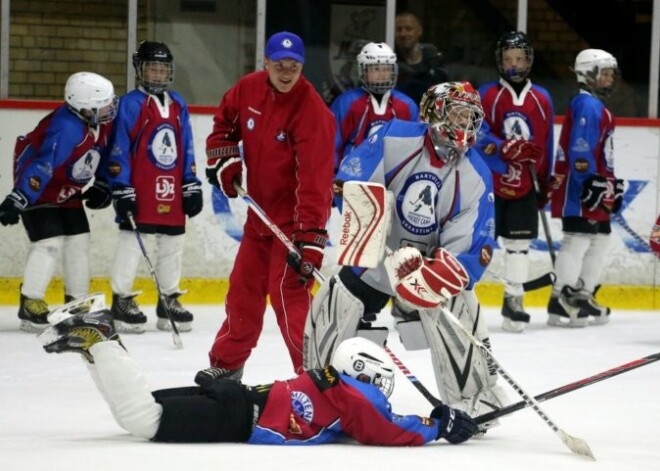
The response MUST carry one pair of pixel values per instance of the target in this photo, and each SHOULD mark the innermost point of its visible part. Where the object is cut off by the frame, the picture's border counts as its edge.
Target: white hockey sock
(594, 261)
(125, 389)
(42, 258)
(516, 265)
(75, 265)
(168, 262)
(125, 264)
(569, 259)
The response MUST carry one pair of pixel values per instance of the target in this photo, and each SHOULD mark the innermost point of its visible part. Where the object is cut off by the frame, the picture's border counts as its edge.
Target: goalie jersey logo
(417, 202)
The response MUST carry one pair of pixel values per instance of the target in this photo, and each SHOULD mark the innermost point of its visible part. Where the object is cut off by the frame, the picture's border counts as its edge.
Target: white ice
(52, 417)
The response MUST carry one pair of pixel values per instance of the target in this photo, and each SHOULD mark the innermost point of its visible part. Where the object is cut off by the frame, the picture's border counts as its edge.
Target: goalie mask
(91, 97)
(514, 56)
(377, 68)
(454, 113)
(365, 361)
(154, 66)
(597, 71)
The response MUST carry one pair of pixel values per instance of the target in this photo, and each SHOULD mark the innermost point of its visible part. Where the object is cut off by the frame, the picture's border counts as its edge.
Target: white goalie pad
(365, 221)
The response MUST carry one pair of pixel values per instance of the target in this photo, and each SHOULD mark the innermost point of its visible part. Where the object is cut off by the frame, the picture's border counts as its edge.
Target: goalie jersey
(435, 204)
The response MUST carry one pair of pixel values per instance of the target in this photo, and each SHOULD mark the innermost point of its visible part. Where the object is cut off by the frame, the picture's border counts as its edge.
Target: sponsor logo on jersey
(114, 168)
(581, 165)
(485, 255)
(490, 149)
(84, 168)
(164, 209)
(34, 183)
(162, 147)
(302, 406)
(416, 203)
(165, 185)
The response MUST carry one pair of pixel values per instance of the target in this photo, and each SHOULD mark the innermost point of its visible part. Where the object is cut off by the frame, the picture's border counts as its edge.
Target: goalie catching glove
(427, 282)
(310, 244)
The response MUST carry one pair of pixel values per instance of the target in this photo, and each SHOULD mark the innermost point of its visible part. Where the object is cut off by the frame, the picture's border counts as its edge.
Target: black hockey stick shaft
(617, 370)
(175, 331)
(542, 215)
(413, 379)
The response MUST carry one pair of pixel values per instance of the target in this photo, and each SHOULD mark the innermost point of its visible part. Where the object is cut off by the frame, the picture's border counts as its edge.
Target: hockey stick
(413, 379)
(544, 219)
(622, 222)
(542, 281)
(175, 331)
(617, 370)
(576, 445)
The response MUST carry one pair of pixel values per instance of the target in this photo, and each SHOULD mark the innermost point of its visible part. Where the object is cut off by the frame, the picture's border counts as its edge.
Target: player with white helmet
(52, 164)
(442, 237)
(359, 112)
(589, 193)
(346, 399)
(516, 143)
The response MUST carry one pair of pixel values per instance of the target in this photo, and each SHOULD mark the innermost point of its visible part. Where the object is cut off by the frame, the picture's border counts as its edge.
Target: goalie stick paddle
(175, 331)
(617, 370)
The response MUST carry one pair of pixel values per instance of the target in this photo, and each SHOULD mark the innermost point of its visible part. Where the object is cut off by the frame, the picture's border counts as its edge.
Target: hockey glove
(455, 425)
(311, 244)
(594, 190)
(520, 151)
(12, 207)
(619, 188)
(98, 196)
(123, 199)
(224, 173)
(429, 282)
(192, 198)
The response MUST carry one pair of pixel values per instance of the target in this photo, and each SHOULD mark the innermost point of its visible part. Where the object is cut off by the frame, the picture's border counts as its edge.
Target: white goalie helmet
(365, 361)
(590, 64)
(381, 61)
(92, 97)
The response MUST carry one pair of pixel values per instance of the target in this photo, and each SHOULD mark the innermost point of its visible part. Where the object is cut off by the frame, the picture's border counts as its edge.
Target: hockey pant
(581, 260)
(43, 257)
(128, 257)
(343, 308)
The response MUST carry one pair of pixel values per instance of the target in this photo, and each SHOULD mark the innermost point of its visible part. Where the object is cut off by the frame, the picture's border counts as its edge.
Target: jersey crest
(302, 406)
(162, 147)
(416, 203)
(83, 169)
(515, 126)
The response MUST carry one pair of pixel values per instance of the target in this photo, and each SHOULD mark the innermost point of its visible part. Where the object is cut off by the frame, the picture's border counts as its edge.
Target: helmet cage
(154, 66)
(454, 113)
(91, 97)
(510, 41)
(378, 56)
(365, 361)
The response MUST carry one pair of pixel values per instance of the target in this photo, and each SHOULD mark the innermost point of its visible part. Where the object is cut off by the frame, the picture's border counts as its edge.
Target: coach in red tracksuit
(287, 133)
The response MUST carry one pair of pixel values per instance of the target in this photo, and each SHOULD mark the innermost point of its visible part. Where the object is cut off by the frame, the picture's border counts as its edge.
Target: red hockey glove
(311, 244)
(547, 188)
(654, 240)
(428, 283)
(521, 151)
(224, 173)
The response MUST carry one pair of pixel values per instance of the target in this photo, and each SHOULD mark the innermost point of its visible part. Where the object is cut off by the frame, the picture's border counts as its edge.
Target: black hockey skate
(78, 333)
(129, 319)
(561, 313)
(213, 372)
(584, 300)
(515, 317)
(33, 314)
(181, 315)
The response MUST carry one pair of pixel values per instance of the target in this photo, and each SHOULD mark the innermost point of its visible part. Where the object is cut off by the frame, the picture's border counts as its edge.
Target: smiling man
(288, 149)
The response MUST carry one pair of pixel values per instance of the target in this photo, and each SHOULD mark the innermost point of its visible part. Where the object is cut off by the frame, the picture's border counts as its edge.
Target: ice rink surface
(52, 417)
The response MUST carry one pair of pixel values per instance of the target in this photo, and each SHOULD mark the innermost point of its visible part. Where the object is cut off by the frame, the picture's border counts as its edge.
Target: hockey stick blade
(540, 282)
(413, 379)
(176, 338)
(617, 370)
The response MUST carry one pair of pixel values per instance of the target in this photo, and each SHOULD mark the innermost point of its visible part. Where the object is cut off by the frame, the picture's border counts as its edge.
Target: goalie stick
(175, 331)
(581, 383)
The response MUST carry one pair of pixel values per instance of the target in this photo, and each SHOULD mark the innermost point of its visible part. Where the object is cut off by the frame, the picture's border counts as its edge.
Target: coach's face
(283, 74)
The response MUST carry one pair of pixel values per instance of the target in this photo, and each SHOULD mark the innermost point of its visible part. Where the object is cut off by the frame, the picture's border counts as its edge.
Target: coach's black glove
(192, 198)
(11, 208)
(123, 199)
(455, 425)
(594, 190)
(98, 196)
(311, 244)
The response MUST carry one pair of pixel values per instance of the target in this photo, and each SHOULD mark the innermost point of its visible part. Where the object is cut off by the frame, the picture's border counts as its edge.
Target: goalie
(443, 240)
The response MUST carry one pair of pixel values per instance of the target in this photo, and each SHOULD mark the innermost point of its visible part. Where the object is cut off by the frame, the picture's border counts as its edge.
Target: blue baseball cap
(285, 45)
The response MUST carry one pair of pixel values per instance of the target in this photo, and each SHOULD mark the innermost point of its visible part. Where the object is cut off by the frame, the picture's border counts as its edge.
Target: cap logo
(287, 43)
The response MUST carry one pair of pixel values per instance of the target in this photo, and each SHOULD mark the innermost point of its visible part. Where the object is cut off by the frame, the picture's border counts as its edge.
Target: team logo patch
(84, 168)
(280, 136)
(165, 188)
(358, 365)
(485, 255)
(352, 167)
(490, 149)
(163, 150)
(416, 203)
(114, 168)
(581, 165)
(34, 183)
(164, 209)
(302, 406)
(515, 126)
(250, 124)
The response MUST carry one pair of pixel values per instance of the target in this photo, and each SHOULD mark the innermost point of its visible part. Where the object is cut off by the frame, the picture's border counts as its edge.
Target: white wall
(209, 251)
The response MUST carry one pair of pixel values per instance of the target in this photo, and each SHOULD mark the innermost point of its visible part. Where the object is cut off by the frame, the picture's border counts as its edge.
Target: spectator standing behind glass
(361, 111)
(420, 64)
(151, 171)
(517, 138)
(588, 193)
(287, 132)
(52, 164)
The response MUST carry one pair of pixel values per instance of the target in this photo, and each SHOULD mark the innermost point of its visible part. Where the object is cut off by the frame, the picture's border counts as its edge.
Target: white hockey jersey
(435, 204)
